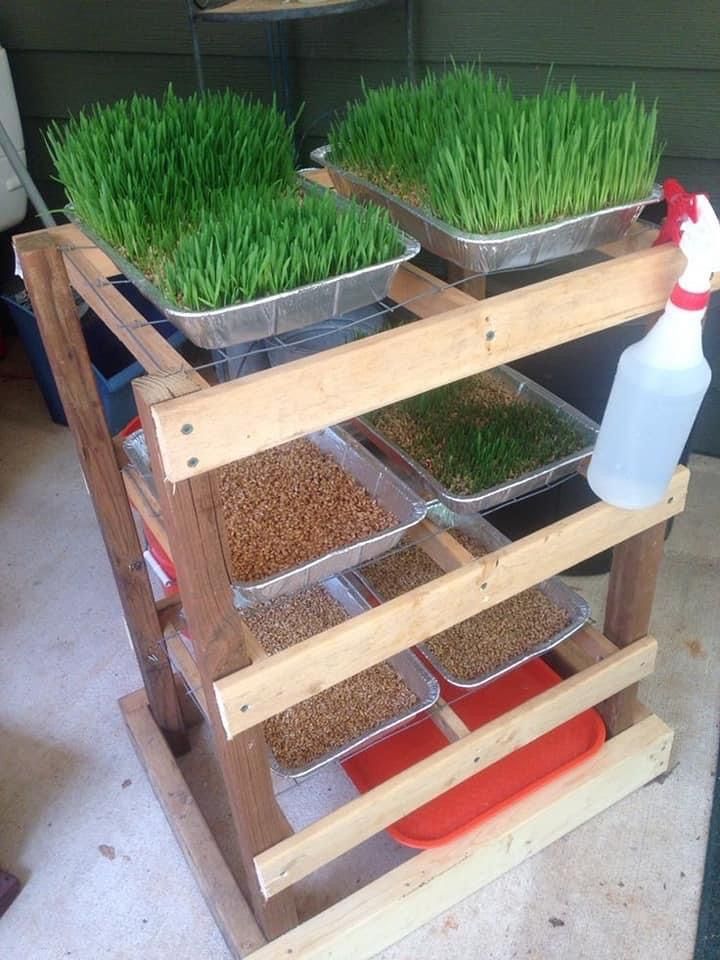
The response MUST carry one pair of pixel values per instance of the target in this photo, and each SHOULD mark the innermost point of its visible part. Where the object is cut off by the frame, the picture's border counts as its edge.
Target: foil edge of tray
(492, 253)
(388, 489)
(405, 663)
(501, 493)
(272, 315)
(553, 588)
(386, 486)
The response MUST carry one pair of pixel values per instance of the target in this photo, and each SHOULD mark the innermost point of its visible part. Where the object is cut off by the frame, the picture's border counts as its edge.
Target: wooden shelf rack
(193, 428)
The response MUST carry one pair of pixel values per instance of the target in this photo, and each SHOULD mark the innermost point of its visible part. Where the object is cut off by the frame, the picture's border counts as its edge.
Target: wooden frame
(237, 688)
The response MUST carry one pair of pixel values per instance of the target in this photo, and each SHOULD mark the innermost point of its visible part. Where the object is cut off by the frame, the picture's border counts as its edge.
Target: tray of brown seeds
(351, 714)
(499, 639)
(304, 511)
(307, 510)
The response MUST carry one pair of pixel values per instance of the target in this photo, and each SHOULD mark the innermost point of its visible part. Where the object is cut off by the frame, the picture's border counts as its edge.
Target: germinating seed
(476, 646)
(288, 505)
(356, 706)
(460, 145)
(472, 434)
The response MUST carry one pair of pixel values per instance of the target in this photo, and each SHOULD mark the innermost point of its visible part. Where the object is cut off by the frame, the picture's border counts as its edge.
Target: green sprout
(201, 194)
(461, 146)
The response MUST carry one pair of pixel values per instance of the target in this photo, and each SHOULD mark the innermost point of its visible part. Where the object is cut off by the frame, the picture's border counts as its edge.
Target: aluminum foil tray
(431, 489)
(137, 453)
(267, 316)
(492, 252)
(379, 481)
(490, 539)
(420, 681)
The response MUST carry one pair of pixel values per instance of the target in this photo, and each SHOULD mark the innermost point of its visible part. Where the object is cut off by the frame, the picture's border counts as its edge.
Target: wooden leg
(54, 307)
(217, 884)
(633, 578)
(193, 518)
(476, 287)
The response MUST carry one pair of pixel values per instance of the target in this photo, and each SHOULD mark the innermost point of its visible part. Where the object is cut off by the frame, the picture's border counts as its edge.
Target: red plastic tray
(153, 543)
(498, 786)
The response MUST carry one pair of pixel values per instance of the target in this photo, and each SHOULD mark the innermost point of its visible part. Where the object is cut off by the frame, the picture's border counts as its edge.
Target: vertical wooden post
(633, 578)
(195, 525)
(54, 307)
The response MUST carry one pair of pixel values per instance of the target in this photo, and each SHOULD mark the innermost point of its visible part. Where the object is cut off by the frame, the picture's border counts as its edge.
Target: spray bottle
(661, 381)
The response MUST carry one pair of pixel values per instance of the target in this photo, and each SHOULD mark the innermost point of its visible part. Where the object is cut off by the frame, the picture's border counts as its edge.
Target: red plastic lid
(485, 794)
(160, 555)
(131, 427)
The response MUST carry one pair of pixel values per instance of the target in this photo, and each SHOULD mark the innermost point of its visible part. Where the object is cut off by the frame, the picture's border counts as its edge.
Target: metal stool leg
(410, 35)
(197, 55)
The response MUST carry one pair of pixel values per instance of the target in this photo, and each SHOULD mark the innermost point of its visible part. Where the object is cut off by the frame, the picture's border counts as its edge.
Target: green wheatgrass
(201, 195)
(471, 435)
(462, 146)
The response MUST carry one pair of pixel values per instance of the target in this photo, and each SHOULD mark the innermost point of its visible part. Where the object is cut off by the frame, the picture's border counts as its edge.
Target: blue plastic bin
(115, 367)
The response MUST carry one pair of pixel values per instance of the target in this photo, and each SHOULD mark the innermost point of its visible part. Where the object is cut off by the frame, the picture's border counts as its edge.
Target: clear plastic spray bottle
(660, 381)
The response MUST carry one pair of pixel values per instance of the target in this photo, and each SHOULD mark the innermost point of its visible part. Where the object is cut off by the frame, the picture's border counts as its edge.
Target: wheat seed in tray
(476, 646)
(329, 720)
(291, 504)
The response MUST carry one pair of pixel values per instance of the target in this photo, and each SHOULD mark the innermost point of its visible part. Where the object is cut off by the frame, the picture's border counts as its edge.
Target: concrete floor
(102, 874)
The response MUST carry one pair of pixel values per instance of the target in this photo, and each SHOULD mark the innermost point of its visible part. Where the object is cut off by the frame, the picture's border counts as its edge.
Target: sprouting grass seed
(200, 194)
(471, 435)
(264, 242)
(462, 146)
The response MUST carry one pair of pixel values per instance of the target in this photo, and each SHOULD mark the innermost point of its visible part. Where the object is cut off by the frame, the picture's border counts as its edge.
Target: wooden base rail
(368, 814)
(366, 922)
(253, 694)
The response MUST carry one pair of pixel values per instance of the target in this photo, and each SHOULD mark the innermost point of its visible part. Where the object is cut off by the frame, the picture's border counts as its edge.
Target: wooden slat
(427, 295)
(262, 410)
(250, 696)
(150, 348)
(54, 308)
(640, 236)
(468, 282)
(186, 666)
(582, 650)
(142, 499)
(217, 884)
(363, 817)
(363, 924)
(88, 268)
(281, 9)
(440, 545)
(448, 722)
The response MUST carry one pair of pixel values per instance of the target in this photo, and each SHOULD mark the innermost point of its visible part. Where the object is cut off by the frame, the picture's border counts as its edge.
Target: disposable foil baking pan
(381, 483)
(491, 252)
(266, 316)
(490, 539)
(431, 489)
(419, 680)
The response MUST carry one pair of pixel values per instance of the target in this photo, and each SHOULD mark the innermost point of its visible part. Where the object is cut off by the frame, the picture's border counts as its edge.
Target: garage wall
(67, 53)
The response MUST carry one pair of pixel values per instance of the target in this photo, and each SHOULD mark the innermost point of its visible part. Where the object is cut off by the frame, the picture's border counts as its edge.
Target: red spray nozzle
(681, 206)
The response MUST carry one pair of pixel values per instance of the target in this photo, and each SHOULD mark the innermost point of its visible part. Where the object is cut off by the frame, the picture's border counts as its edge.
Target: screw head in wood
(193, 462)
(186, 428)
(490, 335)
